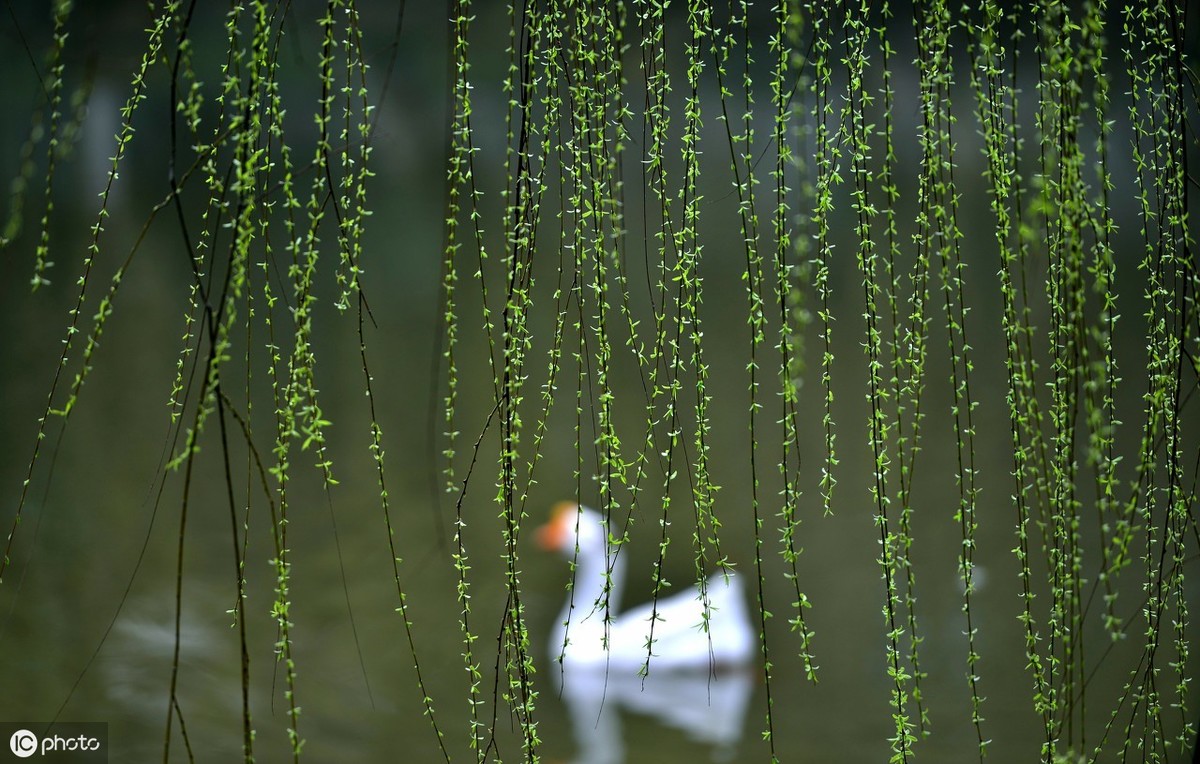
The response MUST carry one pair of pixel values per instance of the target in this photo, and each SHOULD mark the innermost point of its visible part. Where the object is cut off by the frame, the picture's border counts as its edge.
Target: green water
(87, 608)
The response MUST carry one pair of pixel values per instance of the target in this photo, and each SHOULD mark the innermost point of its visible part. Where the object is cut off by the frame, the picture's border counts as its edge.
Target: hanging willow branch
(954, 192)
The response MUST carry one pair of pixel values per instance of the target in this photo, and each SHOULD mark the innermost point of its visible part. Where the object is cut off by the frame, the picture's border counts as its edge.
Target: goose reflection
(698, 678)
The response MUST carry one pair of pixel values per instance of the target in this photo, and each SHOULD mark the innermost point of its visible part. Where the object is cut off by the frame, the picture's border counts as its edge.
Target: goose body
(700, 628)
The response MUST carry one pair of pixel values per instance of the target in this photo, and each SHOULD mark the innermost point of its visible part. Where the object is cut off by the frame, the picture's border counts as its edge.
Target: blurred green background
(84, 638)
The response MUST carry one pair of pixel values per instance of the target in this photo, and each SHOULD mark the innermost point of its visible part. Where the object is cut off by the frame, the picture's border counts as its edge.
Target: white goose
(680, 641)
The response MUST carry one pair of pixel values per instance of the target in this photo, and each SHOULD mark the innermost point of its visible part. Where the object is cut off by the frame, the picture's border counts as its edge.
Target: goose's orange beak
(552, 536)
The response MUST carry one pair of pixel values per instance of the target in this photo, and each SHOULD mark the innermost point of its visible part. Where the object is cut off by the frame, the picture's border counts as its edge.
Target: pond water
(89, 601)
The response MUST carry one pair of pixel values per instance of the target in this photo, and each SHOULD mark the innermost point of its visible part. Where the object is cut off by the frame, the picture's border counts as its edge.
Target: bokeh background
(87, 604)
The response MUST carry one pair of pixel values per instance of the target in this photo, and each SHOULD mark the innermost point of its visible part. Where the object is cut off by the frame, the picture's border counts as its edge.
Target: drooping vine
(685, 247)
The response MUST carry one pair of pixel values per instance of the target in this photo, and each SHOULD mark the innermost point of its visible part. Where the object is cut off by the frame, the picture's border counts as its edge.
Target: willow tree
(685, 246)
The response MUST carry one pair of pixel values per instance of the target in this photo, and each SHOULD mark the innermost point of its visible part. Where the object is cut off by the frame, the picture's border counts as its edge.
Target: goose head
(574, 531)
